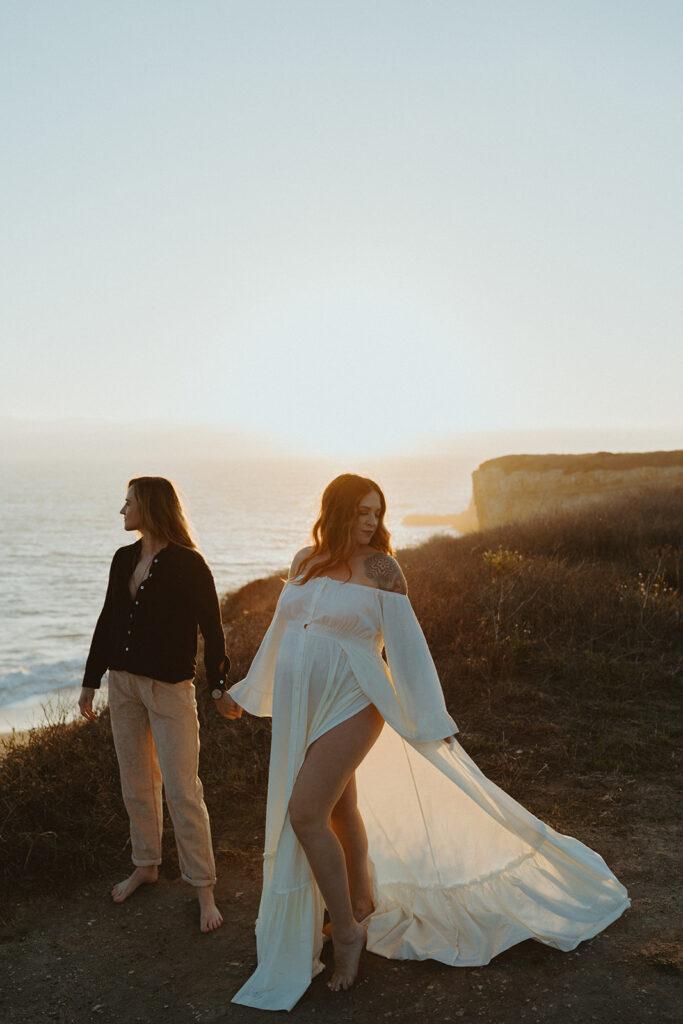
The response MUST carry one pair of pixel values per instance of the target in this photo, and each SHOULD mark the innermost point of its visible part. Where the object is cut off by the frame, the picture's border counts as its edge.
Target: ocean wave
(41, 679)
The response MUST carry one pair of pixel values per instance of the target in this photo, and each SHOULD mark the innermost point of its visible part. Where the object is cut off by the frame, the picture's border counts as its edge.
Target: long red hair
(333, 541)
(160, 510)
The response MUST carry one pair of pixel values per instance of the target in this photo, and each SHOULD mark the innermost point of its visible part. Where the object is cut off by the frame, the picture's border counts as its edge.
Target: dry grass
(572, 621)
(559, 646)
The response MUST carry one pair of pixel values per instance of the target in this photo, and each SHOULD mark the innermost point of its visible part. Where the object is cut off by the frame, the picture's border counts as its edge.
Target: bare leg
(210, 916)
(329, 765)
(350, 831)
(140, 876)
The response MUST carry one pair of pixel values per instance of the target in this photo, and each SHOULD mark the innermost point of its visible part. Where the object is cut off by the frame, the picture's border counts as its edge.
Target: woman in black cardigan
(160, 590)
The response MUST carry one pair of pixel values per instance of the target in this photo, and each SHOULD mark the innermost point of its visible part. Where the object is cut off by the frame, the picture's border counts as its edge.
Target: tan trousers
(156, 735)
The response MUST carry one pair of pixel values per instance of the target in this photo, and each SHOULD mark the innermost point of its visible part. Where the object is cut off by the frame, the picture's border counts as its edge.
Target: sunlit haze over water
(253, 244)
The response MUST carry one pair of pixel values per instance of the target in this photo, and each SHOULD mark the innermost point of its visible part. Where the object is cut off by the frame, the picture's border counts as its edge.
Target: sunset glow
(343, 226)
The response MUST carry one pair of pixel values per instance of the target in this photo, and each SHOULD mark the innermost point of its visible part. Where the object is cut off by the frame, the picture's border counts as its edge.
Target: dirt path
(85, 959)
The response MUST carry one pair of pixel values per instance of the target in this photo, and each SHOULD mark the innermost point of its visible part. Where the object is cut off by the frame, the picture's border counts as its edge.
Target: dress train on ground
(460, 870)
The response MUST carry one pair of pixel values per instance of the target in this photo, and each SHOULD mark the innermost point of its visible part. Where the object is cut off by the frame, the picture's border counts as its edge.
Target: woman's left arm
(208, 614)
(413, 674)
(408, 661)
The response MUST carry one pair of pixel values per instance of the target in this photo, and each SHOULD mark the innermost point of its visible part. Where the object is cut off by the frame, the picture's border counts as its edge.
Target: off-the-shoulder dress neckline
(347, 583)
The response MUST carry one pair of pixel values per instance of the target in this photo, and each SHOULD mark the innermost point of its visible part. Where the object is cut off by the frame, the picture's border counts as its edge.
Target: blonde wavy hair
(160, 510)
(333, 542)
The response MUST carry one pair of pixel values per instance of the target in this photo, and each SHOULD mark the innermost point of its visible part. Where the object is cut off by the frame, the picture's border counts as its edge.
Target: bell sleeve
(412, 674)
(254, 693)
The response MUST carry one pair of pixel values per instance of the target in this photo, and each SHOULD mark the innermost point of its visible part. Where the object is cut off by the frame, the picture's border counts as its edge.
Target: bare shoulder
(298, 559)
(385, 573)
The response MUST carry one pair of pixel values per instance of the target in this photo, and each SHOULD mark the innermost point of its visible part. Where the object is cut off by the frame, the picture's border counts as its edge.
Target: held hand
(228, 707)
(85, 702)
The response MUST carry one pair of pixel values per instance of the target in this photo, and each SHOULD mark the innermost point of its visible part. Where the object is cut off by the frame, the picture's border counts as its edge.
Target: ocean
(62, 525)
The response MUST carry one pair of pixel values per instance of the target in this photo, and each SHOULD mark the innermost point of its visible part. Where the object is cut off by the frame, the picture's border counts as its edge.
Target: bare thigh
(329, 766)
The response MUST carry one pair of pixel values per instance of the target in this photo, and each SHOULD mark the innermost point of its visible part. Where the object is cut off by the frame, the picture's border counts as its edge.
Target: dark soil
(83, 958)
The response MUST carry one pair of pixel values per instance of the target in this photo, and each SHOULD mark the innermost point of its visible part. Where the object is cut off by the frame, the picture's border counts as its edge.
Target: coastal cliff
(518, 487)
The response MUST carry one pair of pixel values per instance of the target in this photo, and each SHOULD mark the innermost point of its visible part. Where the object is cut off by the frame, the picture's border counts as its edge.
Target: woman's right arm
(85, 700)
(98, 657)
(254, 693)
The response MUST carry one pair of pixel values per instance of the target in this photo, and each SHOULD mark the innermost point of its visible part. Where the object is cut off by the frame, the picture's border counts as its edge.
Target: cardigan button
(142, 586)
(137, 602)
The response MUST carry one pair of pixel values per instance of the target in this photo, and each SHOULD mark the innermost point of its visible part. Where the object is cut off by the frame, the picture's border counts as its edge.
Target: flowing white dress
(460, 870)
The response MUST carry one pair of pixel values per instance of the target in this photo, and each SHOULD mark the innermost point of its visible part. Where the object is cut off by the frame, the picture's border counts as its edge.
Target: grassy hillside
(559, 645)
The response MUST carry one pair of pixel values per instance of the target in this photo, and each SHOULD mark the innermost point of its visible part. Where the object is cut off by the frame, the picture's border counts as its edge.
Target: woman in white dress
(395, 831)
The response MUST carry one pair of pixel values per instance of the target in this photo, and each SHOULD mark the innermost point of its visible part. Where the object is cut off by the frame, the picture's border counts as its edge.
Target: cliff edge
(517, 487)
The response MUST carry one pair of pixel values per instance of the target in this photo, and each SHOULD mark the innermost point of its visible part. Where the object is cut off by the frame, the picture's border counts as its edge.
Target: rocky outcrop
(518, 487)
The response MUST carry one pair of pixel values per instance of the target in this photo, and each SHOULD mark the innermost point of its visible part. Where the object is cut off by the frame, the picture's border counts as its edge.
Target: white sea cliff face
(517, 487)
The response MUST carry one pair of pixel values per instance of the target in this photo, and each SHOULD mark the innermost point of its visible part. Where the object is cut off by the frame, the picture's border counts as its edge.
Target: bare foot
(346, 959)
(362, 914)
(210, 916)
(140, 876)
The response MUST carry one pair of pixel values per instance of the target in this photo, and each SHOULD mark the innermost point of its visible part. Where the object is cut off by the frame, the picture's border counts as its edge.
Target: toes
(209, 924)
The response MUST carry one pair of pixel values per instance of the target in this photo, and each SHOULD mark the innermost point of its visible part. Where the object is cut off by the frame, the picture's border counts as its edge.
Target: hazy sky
(348, 224)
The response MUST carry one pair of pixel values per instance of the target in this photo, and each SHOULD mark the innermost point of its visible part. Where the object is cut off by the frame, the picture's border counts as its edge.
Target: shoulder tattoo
(385, 573)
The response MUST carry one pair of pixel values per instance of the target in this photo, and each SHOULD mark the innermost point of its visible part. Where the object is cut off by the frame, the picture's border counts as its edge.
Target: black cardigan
(155, 635)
